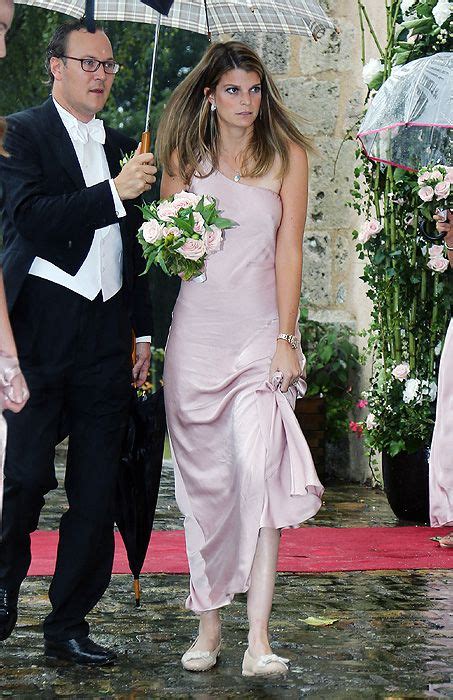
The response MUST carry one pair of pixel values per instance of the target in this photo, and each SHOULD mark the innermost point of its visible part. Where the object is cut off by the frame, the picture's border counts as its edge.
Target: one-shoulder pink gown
(240, 459)
(441, 458)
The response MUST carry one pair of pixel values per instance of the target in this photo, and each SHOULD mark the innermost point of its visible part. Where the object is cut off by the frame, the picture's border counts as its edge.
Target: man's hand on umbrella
(142, 361)
(137, 175)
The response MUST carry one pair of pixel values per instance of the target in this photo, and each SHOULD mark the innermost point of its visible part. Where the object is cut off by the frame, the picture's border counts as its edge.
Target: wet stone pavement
(393, 637)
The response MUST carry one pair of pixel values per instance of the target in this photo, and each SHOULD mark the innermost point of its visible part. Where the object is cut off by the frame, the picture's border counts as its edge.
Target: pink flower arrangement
(181, 232)
(369, 229)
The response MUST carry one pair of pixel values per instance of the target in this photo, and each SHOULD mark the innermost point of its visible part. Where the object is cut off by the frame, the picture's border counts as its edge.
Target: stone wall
(322, 82)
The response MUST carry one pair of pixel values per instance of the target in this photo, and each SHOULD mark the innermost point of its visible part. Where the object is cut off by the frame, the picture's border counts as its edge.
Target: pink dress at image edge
(441, 458)
(241, 461)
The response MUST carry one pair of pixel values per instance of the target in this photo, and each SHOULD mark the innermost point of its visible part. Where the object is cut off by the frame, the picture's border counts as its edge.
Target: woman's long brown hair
(190, 128)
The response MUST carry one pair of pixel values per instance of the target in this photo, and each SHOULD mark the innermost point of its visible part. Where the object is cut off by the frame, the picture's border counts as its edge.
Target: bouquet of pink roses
(181, 232)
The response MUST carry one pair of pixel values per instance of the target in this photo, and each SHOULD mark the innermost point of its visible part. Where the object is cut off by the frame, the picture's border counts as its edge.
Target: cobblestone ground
(393, 638)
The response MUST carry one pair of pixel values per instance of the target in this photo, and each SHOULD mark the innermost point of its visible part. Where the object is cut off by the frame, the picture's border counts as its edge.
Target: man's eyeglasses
(90, 65)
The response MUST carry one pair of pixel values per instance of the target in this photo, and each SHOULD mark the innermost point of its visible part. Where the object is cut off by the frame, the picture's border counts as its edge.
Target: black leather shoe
(79, 651)
(8, 613)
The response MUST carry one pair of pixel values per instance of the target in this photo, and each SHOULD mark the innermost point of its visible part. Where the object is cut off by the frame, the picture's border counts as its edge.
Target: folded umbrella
(139, 478)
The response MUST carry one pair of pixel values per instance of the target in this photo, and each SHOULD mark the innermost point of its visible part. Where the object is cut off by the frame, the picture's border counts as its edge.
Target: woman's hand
(16, 395)
(286, 361)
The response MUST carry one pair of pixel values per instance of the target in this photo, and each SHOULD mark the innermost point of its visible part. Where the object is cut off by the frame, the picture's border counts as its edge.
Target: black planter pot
(406, 484)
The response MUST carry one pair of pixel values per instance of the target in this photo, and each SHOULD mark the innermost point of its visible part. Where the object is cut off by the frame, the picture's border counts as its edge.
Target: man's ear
(56, 66)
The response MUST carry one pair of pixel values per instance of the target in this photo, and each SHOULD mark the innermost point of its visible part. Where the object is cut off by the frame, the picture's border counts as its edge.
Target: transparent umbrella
(409, 123)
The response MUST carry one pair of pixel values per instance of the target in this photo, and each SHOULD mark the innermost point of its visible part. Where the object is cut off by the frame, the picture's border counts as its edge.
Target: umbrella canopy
(303, 17)
(410, 120)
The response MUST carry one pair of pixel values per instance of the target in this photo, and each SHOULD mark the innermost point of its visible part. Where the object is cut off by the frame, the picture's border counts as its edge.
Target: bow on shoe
(270, 659)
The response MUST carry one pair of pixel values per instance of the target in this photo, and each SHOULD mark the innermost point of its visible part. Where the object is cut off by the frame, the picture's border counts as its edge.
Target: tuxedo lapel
(61, 143)
(112, 153)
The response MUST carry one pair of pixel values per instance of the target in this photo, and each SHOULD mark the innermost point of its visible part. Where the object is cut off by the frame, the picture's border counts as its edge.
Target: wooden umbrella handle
(146, 142)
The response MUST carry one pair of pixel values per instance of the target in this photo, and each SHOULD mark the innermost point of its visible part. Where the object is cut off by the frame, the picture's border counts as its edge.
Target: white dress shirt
(102, 269)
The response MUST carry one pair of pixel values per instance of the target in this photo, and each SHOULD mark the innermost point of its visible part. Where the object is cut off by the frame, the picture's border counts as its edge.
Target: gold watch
(291, 339)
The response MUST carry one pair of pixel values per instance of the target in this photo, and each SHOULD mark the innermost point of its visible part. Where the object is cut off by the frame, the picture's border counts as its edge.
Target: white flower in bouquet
(442, 11)
(371, 70)
(213, 239)
(152, 231)
(411, 389)
(193, 249)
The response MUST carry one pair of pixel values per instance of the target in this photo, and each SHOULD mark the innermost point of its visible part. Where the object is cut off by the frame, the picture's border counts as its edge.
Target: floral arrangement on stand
(405, 276)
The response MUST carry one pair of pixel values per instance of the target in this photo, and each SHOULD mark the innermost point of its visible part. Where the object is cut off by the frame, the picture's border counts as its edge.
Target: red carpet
(308, 550)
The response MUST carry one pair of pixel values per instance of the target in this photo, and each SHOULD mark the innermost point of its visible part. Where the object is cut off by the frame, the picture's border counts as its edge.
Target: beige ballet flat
(265, 665)
(446, 540)
(200, 660)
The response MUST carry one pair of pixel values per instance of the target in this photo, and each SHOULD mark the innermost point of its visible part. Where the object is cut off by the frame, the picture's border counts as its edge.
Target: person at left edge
(71, 270)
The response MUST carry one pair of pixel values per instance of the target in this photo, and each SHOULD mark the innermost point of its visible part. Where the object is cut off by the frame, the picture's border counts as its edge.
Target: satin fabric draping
(441, 457)
(9, 368)
(240, 459)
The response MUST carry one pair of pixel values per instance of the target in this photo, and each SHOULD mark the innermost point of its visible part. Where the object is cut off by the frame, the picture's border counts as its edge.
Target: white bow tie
(93, 130)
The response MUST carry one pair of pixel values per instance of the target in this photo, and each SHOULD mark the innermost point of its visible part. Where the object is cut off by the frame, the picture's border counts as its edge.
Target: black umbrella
(139, 478)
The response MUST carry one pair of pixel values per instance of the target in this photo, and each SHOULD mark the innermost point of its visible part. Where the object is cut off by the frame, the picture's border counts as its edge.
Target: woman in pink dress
(441, 458)
(233, 361)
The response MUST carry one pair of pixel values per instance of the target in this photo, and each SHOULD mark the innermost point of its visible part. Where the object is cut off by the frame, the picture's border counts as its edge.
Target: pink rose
(166, 210)
(425, 177)
(442, 190)
(435, 251)
(152, 231)
(426, 193)
(438, 264)
(193, 249)
(401, 371)
(437, 175)
(199, 226)
(183, 200)
(213, 239)
(369, 229)
(449, 175)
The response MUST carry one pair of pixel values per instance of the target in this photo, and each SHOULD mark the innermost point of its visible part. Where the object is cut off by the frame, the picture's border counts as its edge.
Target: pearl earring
(213, 107)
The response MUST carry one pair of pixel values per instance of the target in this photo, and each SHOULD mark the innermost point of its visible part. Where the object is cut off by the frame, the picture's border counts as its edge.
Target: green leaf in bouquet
(223, 223)
(183, 225)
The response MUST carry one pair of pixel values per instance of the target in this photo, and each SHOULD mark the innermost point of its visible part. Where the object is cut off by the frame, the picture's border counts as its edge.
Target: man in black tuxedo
(71, 268)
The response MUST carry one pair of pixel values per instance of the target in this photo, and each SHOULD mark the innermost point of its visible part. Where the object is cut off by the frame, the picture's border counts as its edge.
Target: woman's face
(237, 97)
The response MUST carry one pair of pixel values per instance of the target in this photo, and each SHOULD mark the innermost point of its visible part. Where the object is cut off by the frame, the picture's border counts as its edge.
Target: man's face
(82, 93)
(6, 17)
